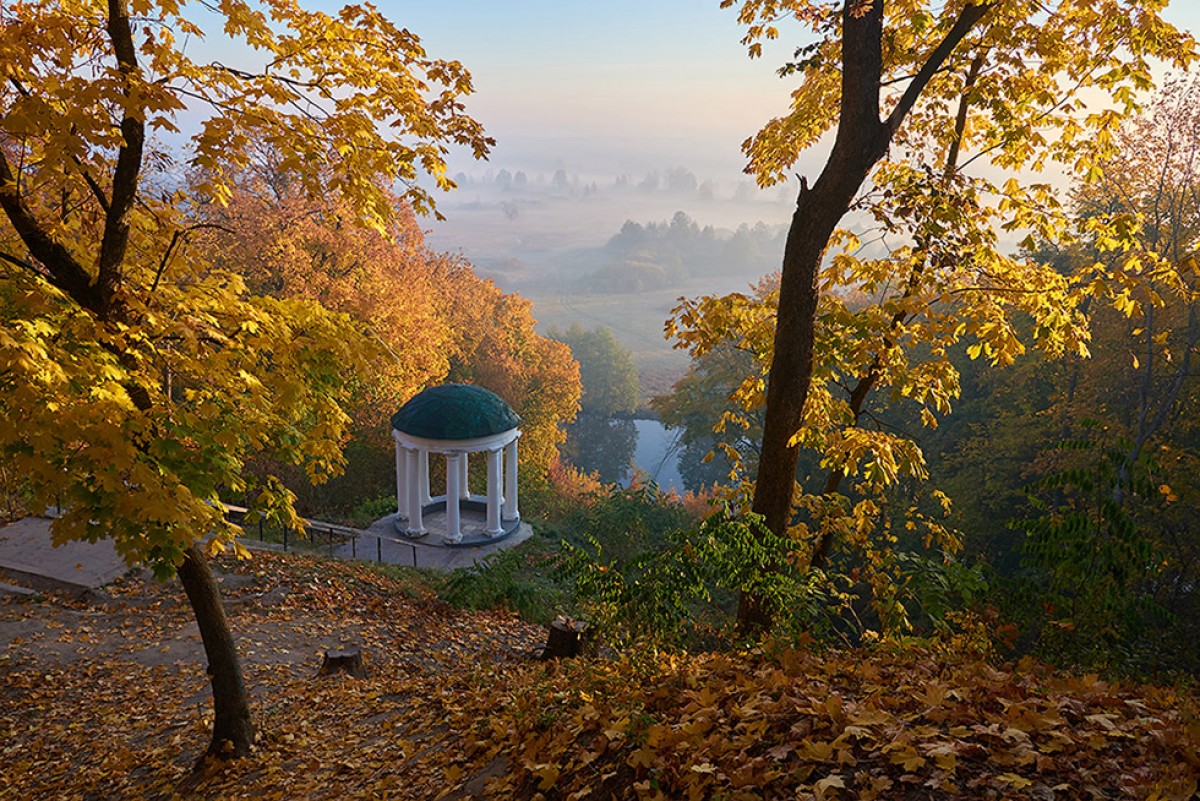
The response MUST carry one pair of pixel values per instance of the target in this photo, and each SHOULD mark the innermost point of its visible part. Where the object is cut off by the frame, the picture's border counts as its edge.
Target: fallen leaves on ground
(791, 724)
(107, 698)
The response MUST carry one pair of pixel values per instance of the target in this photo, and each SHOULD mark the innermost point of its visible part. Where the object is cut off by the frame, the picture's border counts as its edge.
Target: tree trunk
(567, 638)
(817, 214)
(233, 731)
(343, 660)
(862, 140)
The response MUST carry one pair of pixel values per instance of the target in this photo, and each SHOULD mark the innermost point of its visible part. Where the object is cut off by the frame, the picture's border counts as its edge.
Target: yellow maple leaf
(548, 775)
(641, 758)
(1017, 782)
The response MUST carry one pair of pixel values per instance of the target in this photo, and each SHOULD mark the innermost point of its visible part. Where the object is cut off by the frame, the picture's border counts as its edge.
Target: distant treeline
(674, 180)
(659, 254)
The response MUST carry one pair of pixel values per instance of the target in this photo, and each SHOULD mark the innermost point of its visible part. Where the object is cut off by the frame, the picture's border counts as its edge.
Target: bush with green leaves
(1088, 564)
(518, 579)
(627, 521)
(935, 585)
(368, 511)
(682, 592)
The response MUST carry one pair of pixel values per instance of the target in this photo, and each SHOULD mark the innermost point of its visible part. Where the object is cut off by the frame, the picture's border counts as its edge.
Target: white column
(493, 494)
(465, 487)
(401, 486)
(453, 476)
(511, 510)
(423, 477)
(412, 474)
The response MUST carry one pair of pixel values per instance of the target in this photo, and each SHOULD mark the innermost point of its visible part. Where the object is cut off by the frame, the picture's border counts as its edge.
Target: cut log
(568, 637)
(343, 660)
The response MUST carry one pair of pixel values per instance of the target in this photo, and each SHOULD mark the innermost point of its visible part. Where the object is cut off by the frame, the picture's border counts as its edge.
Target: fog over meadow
(535, 218)
(583, 228)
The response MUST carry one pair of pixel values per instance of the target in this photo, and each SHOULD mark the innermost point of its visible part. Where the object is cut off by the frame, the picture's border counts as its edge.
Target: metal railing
(318, 536)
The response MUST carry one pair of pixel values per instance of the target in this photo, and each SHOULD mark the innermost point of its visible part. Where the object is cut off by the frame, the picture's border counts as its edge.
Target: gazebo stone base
(473, 526)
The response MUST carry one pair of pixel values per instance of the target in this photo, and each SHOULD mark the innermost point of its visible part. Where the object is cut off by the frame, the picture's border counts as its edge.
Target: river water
(657, 454)
(615, 448)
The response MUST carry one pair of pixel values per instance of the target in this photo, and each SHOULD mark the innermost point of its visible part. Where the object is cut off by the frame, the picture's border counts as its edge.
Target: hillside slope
(105, 697)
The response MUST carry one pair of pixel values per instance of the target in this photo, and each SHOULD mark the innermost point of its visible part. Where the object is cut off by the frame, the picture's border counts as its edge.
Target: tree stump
(343, 660)
(567, 638)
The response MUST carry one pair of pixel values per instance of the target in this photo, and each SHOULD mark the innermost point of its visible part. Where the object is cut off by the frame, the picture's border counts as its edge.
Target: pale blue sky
(622, 84)
(670, 67)
(613, 85)
(664, 75)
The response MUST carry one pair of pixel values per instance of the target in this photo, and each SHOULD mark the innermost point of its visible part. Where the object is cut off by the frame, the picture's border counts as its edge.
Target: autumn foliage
(286, 244)
(789, 724)
(917, 97)
(176, 339)
(426, 317)
(142, 382)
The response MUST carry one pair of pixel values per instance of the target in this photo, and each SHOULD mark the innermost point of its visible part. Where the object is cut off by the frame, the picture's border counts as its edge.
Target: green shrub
(682, 591)
(1084, 592)
(368, 511)
(518, 579)
(627, 521)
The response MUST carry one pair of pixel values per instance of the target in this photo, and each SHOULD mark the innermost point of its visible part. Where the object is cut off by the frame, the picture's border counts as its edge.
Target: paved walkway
(28, 556)
(382, 543)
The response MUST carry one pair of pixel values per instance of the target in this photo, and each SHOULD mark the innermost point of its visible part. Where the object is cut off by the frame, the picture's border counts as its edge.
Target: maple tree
(287, 244)
(881, 369)
(430, 316)
(886, 75)
(135, 380)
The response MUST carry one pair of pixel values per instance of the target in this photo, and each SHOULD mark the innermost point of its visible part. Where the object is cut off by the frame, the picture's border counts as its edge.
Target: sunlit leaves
(1027, 108)
(225, 377)
(774, 723)
(796, 725)
(351, 90)
(942, 88)
(885, 331)
(1102, 537)
(288, 246)
(495, 345)
(892, 322)
(140, 378)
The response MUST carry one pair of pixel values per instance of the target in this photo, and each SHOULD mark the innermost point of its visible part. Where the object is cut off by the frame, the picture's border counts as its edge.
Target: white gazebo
(456, 420)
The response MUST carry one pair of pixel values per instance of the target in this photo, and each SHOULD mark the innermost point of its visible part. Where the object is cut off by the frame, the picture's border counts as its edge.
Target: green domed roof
(455, 411)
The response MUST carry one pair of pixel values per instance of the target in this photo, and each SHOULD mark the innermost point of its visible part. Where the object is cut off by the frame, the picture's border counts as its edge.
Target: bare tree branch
(129, 163)
(21, 263)
(970, 16)
(960, 119)
(180, 236)
(62, 269)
